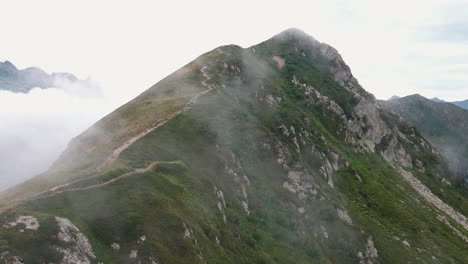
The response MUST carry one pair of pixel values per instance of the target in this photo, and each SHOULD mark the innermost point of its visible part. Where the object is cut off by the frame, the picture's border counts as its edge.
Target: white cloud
(36, 127)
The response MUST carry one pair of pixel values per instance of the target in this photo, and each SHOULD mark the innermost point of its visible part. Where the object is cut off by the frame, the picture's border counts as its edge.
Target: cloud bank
(36, 127)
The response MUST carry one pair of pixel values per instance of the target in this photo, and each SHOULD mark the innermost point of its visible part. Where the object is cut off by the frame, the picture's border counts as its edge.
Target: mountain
(462, 104)
(267, 154)
(435, 99)
(393, 98)
(444, 124)
(14, 80)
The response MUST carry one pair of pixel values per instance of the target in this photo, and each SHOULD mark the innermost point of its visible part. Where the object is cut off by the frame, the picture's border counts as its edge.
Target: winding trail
(115, 154)
(149, 167)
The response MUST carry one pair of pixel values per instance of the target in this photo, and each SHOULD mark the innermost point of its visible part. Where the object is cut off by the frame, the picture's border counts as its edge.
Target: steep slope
(444, 124)
(14, 80)
(270, 154)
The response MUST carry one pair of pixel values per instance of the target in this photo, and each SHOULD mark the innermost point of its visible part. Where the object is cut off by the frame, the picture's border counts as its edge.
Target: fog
(36, 127)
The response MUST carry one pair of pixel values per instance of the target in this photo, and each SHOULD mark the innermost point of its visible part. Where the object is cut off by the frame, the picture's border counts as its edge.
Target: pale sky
(393, 48)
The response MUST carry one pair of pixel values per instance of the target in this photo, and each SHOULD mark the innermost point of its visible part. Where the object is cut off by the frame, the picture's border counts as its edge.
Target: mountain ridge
(22, 81)
(441, 122)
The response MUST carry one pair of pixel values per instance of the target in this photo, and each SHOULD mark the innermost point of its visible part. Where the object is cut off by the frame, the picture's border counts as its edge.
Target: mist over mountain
(40, 113)
(443, 123)
(267, 154)
(15, 80)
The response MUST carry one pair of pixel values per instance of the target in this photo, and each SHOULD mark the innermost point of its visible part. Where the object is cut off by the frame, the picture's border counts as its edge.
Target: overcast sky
(393, 48)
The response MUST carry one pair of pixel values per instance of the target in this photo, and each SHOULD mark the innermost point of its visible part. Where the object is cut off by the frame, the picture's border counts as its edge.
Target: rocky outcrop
(29, 222)
(370, 254)
(79, 250)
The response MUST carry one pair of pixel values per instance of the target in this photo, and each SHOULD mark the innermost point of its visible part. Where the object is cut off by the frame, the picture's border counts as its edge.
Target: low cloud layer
(36, 127)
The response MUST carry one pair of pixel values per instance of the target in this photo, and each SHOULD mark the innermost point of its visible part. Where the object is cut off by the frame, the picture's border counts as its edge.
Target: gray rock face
(30, 222)
(370, 254)
(80, 250)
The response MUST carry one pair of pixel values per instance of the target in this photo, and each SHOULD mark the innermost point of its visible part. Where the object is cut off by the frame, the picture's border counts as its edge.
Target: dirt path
(138, 170)
(115, 154)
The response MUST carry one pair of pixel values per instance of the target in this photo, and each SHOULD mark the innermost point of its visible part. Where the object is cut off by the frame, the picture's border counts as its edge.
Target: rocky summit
(267, 154)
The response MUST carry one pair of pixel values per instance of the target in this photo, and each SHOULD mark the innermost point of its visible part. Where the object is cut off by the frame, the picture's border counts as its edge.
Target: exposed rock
(454, 229)
(5, 258)
(141, 240)
(221, 203)
(301, 183)
(246, 207)
(188, 233)
(30, 222)
(324, 232)
(133, 254)
(395, 154)
(80, 248)
(370, 253)
(446, 182)
(152, 260)
(433, 199)
(71, 256)
(115, 246)
(343, 215)
(406, 243)
(272, 100)
(341, 72)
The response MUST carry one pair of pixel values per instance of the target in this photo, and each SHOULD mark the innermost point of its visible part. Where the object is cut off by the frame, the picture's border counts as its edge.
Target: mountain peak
(15, 80)
(435, 99)
(7, 67)
(295, 34)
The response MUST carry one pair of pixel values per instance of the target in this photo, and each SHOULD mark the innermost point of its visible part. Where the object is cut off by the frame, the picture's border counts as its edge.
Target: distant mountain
(435, 99)
(444, 124)
(22, 81)
(462, 104)
(393, 98)
(270, 154)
